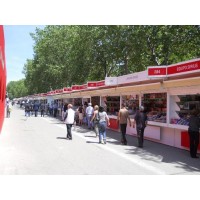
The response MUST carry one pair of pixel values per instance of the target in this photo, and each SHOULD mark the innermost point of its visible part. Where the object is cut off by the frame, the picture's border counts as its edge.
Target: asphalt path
(38, 146)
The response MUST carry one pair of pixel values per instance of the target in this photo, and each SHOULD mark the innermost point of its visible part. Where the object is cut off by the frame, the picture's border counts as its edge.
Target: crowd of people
(35, 107)
(96, 118)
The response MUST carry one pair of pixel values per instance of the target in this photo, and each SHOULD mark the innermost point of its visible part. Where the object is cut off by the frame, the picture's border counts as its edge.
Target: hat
(141, 108)
(89, 104)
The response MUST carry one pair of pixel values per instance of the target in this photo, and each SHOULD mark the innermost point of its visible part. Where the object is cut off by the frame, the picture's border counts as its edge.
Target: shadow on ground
(152, 151)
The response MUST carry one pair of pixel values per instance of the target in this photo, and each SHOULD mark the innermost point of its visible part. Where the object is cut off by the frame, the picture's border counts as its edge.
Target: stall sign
(190, 66)
(83, 87)
(58, 91)
(49, 93)
(68, 89)
(93, 84)
(135, 77)
(157, 71)
(101, 83)
(110, 81)
(75, 87)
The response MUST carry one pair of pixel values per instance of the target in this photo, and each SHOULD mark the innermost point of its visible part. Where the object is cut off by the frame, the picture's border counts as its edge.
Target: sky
(18, 48)
(19, 44)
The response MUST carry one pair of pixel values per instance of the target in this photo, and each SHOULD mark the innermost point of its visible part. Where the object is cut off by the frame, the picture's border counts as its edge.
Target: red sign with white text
(96, 84)
(59, 91)
(157, 71)
(82, 87)
(101, 83)
(183, 67)
(67, 89)
(75, 87)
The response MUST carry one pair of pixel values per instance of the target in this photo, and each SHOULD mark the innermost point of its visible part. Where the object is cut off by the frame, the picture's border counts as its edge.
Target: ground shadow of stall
(156, 152)
(152, 151)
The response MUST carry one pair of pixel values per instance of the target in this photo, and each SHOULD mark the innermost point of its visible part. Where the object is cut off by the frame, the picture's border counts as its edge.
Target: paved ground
(37, 145)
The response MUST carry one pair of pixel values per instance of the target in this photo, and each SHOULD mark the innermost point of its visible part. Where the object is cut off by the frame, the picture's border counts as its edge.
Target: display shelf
(181, 107)
(132, 103)
(113, 105)
(174, 109)
(95, 100)
(156, 106)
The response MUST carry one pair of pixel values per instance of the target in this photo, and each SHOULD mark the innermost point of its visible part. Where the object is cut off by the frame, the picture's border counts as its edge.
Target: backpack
(97, 118)
(66, 114)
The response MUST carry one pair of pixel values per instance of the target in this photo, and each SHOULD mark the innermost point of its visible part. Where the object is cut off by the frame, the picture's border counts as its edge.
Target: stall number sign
(157, 71)
(191, 66)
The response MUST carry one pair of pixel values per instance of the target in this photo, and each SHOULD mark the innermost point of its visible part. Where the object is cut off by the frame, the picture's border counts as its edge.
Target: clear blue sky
(18, 48)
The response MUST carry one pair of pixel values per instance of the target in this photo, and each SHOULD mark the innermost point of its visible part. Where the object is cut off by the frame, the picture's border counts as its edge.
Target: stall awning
(181, 82)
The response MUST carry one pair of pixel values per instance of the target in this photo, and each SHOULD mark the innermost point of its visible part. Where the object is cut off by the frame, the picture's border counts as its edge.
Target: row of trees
(17, 89)
(67, 55)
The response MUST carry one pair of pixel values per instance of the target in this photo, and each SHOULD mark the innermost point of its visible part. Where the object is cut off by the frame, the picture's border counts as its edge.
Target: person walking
(123, 117)
(27, 110)
(102, 125)
(55, 109)
(8, 108)
(141, 121)
(96, 119)
(64, 110)
(36, 108)
(42, 108)
(69, 120)
(89, 112)
(80, 115)
(193, 130)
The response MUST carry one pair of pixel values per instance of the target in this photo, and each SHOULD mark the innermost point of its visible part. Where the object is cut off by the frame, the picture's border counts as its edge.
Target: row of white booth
(168, 93)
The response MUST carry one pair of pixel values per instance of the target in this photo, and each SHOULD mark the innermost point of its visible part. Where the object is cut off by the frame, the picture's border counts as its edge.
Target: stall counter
(113, 122)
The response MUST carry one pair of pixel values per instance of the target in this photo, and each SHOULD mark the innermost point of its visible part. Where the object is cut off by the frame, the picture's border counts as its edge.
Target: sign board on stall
(135, 77)
(93, 84)
(109, 81)
(190, 66)
(187, 67)
(157, 71)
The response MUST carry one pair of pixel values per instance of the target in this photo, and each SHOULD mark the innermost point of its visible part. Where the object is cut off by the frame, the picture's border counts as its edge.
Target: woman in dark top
(141, 121)
(65, 107)
(193, 130)
(80, 115)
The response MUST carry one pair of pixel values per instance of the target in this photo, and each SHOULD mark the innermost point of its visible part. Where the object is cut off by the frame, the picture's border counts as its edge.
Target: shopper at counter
(193, 130)
(96, 119)
(89, 112)
(141, 121)
(123, 116)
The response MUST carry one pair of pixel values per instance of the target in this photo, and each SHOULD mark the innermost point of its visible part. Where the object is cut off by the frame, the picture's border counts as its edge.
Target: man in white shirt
(89, 113)
(69, 120)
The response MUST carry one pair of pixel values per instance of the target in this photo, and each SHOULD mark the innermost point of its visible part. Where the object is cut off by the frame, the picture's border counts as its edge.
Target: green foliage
(66, 55)
(16, 89)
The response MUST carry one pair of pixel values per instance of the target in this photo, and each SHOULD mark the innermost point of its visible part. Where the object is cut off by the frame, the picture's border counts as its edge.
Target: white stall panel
(152, 132)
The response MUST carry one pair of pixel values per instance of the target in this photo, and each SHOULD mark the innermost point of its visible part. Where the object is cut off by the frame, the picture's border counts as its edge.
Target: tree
(16, 89)
(67, 55)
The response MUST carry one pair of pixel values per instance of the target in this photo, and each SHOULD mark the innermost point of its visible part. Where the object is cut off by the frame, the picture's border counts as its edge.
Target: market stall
(168, 94)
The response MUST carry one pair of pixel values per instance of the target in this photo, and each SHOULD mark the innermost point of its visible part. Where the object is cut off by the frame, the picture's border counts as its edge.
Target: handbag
(97, 118)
